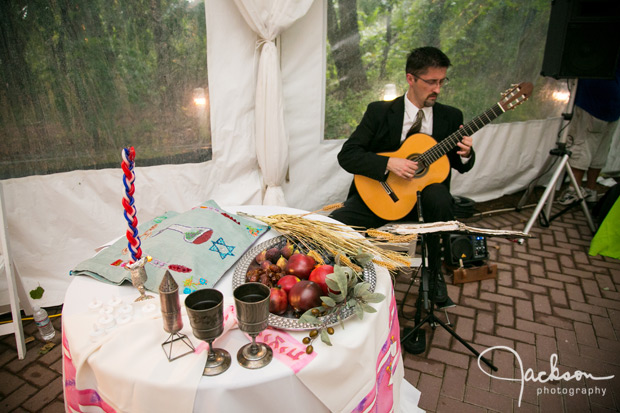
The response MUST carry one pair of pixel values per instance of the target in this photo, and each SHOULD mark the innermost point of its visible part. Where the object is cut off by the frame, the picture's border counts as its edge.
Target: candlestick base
(169, 343)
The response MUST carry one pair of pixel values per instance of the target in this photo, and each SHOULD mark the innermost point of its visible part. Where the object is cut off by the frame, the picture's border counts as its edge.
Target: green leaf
(374, 298)
(307, 317)
(341, 278)
(366, 294)
(336, 297)
(325, 337)
(328, 301)
(353, 279)
(37, 293)
(360, 288)
(359, 311)
(347, 270)
(363, 258)
(331, 284)
(368, 308)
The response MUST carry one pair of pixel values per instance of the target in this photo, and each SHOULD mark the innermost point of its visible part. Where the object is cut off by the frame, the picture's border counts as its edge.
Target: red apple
(278, 301)
(287, 282)
(318, 276)
(300, 265)
(305, 295)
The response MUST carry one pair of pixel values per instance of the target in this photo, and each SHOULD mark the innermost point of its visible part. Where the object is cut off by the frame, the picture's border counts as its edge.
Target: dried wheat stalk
(338, 240)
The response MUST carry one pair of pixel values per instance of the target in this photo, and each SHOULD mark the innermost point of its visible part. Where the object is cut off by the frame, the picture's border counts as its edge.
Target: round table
(127, 370)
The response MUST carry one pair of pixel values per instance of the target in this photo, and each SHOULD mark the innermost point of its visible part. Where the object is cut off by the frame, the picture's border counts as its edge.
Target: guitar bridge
(388, 190)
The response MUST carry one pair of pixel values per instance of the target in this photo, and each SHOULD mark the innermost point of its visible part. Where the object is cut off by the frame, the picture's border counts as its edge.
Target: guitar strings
(441, 148)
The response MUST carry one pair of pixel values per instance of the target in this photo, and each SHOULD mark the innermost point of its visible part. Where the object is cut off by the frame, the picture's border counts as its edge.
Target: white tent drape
(268, 18)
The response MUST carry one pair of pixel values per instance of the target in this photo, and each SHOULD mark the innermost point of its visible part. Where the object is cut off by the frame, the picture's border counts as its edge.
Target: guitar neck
(446, 145)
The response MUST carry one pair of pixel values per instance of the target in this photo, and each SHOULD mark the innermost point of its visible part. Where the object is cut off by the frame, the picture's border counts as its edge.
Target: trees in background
(491, 43)
(81, 79)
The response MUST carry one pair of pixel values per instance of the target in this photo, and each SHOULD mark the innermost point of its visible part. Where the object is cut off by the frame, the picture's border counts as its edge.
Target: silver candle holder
(171, 315)
(139, 277)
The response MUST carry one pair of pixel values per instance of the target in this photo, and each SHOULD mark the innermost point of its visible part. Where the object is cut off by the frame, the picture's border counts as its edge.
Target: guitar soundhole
(422, 169)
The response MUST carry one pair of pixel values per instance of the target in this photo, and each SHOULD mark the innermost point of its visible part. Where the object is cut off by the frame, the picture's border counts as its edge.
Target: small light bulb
(389, 92)
(561, 96)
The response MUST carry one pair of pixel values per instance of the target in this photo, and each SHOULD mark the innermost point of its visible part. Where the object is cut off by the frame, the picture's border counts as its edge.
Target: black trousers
(437, 205)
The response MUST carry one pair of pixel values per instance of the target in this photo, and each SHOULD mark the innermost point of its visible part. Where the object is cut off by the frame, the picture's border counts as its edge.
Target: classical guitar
(395, 197)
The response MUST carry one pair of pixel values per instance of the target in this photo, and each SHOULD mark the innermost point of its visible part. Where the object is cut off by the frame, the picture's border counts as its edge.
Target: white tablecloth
(127, 370)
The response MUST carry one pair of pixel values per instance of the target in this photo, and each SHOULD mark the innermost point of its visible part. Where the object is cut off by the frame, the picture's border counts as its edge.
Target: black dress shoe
(440, 290)
(448, 303)
(416, 343)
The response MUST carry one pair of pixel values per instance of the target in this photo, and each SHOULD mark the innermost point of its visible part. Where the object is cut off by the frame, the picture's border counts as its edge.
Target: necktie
(417, 124)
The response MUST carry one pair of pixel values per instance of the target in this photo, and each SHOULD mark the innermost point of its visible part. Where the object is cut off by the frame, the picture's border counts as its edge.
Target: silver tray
(290, 322)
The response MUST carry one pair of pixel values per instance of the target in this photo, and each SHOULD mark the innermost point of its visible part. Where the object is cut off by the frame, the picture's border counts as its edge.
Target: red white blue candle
(129, 154)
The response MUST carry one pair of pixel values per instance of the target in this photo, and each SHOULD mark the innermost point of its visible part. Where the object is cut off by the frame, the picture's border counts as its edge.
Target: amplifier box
(470, 249)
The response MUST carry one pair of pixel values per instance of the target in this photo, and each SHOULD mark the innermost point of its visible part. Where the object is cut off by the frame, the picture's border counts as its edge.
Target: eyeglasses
(433, 82)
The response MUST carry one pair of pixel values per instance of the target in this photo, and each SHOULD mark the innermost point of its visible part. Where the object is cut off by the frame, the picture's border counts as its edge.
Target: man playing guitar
(383, 128)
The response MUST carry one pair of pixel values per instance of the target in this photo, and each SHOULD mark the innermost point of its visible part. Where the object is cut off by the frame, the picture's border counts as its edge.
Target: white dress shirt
(411, 111)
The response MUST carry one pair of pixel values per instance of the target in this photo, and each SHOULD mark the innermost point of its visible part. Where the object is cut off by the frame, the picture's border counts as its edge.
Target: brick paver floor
(33, 384)
(551, 304)
(550, 301)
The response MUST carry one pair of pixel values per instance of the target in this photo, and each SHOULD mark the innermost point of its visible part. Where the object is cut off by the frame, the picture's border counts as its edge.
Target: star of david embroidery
(220, 247)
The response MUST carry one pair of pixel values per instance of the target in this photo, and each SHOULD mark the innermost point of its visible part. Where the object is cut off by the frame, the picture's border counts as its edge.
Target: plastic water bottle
(43, 323)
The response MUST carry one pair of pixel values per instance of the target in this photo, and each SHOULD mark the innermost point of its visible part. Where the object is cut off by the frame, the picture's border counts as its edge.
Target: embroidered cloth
(197, 247)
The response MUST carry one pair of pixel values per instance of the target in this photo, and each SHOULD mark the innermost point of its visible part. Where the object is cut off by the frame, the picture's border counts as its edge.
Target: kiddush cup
(205, 309)
(252, 307)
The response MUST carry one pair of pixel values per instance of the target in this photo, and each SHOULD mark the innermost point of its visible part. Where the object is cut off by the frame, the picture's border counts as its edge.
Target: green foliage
(37, 293)
(84, 79)
(491, 43)
(349, 291)
(79, 80)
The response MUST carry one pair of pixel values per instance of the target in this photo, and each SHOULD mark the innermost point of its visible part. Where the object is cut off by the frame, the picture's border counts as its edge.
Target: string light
(389, 93)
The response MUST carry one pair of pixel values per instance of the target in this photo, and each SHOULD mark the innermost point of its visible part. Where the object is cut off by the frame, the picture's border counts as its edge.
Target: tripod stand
(547, 196)
(426, 299)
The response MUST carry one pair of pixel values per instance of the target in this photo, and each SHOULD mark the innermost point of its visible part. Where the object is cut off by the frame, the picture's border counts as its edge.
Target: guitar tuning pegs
(506, 92)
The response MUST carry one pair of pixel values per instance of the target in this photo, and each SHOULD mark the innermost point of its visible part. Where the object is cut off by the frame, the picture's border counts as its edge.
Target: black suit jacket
(380, 130)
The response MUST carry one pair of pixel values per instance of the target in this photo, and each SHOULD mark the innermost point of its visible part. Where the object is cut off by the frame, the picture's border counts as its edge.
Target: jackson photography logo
(544, 377)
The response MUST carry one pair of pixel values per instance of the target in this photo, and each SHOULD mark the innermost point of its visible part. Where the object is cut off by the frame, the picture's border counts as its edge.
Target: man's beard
(430, 102)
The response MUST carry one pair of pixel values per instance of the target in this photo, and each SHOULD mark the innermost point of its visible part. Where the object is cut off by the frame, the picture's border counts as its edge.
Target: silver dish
(290, 322)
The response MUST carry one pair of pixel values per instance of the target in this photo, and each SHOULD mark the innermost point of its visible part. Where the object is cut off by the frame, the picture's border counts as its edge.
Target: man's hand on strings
(404, 168)
(465, 146)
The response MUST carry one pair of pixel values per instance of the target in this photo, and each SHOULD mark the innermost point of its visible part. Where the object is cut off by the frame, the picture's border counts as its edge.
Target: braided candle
(129, 154)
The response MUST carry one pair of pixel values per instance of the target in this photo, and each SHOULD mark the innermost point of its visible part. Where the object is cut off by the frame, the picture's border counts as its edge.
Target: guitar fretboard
(474, 125)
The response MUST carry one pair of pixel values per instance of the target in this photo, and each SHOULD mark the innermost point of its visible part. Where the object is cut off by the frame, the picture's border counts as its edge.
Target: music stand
(428, 295)
(547, 197)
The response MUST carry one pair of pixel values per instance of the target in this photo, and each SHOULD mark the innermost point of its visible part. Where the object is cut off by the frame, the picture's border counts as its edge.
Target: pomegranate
(318, 276)
(300, 265)
(305, 295)
(278, 302)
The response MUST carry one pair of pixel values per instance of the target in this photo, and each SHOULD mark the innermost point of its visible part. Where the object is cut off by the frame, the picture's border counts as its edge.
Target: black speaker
(583, 39)
(471, 249)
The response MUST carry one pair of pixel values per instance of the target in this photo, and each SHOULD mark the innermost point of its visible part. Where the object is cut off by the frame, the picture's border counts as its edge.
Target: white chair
(7, 266)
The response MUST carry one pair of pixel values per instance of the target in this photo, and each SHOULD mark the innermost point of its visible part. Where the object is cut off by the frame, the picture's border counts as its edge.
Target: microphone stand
(427, 300)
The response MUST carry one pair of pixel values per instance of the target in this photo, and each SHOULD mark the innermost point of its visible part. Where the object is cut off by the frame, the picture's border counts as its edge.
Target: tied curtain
(269, 18)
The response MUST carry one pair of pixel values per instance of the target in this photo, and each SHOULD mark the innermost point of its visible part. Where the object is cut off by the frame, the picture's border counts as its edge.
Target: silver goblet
(205, 309)
(252, 304)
